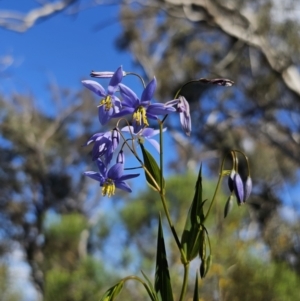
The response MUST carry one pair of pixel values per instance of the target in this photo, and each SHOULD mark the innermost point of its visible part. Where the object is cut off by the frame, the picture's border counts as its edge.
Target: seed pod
(238, 188)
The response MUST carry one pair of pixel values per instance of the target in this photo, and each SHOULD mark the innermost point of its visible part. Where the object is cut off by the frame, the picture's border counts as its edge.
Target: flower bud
(247, 188)
(115, 138)
(238, 188)
(231, 180)
(228, 205)
(104, 74)
(121, 157)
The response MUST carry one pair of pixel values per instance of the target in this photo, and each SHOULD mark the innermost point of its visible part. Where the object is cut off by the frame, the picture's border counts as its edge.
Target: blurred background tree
(257, 251)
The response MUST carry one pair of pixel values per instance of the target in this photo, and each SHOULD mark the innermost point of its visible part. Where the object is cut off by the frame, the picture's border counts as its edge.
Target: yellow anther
(108, 188)
(107, 102)
(140, 116)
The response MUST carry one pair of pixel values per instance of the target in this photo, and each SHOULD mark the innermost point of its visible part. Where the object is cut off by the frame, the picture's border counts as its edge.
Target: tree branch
(243, 27)
(16, 21)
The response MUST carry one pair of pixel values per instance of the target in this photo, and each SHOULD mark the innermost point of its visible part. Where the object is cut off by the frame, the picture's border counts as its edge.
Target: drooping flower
(238, 188)
(231, 180)
(111, 179)
(146, 133)
(121, 157)
(104, 74)
(142, 109)
(104, 145)
(183, 108)
(109, 103)
(247, 188)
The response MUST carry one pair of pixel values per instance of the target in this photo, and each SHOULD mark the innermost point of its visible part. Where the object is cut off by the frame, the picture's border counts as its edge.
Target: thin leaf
(191, 238)
(111, 293)
(153, 168)
(150, 289)
(162, 284)
(196, 290)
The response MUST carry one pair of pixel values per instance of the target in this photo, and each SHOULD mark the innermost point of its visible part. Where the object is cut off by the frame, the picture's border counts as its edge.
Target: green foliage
(154, 171)
(194, 234)
(7, 291)
(162, 283)
(254, 279)
(83, 283)
(70, 273)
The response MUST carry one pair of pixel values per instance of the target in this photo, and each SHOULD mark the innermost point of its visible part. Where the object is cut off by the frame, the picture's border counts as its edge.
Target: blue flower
(146, 133)
(109, 104)
(183, 108)
(238, 188)
(110, 179)
(142, 109)
(104, 145)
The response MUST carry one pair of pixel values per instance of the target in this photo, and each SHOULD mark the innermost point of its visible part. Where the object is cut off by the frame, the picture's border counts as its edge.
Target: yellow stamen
(140, 116)
(108, 188)
(107, 102)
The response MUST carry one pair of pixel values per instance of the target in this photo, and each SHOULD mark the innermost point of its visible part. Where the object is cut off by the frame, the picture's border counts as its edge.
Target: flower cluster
(118, 101)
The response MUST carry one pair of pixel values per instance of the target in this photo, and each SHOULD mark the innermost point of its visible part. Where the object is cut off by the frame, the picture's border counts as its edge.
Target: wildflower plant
(118, 102)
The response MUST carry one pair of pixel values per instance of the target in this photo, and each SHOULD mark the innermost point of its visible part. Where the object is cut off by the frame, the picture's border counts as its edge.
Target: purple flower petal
(238, 188)
(128, 129)
(103, 115)
(160, 109)
(130, 176)
(94, 175)
(149, 91)
(116, 171)
(155, 144)
(94, 138)
(123, 112)
(95, 87)
(102, 167)
(186, 123)
(130, 99)
(173, 102)
(123, 185)
(115, 80)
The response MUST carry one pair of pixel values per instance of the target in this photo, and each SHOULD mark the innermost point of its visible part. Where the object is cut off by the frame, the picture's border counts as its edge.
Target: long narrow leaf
(150, 289)
(153, 168)
(162, 282)
(191, 237)
(112, 292)
(196, 290)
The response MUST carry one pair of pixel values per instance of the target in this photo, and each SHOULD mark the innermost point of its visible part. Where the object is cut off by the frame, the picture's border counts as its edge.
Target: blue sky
(64, 48)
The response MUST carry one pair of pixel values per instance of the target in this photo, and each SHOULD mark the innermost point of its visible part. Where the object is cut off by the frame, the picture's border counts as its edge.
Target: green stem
(161, 156)
(185, 281)
(135, 74)
(163, 198)
(216, 190)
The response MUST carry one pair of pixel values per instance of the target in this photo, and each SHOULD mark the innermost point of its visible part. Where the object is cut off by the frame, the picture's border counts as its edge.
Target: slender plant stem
(185, 281)
(163, 198)
(216, 190)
